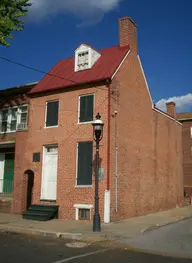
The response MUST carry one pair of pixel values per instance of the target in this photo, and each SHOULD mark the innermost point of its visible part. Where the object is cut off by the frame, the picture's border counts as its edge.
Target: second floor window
(86, 108)
(52, 110)
(13, 119)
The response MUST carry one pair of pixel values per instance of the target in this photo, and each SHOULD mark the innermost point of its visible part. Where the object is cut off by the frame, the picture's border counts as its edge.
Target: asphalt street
(16, 248)
(173, 239)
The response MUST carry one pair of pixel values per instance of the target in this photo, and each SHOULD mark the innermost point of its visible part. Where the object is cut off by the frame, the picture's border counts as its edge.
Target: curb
(58, 235)
(155, 226)
(81, 236)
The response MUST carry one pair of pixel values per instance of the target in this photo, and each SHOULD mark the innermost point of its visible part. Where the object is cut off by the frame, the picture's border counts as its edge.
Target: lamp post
(97, 135)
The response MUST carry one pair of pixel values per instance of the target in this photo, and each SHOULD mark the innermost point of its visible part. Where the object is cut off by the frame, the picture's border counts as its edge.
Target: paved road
(172, 239)
(22, 249)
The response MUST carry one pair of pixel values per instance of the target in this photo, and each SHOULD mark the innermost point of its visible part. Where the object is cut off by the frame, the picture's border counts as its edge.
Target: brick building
(141, 149)
(13, 118)
(186, 120)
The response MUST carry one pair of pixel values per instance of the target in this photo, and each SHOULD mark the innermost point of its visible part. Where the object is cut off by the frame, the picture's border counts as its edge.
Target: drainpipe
(116, 164)
(109, 137)
(107, 198)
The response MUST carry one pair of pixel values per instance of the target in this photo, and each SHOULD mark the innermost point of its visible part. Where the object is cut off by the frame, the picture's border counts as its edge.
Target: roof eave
(107, 79)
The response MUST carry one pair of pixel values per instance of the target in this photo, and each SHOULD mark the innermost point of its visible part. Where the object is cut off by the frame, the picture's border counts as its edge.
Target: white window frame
(18, 117)
(191, 131)
(79, 102)
(77, 53)
(49, 127)
(45, 152)
(80, 64)
(82, 206)
(76, 185)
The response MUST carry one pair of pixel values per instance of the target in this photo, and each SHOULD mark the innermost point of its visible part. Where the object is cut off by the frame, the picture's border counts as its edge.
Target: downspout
(107, 198)
(116, 164)
(109, 138)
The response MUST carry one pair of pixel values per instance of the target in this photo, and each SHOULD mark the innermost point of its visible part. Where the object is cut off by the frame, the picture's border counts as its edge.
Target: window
(191, 132)
(83, 60)
(84, 163)
(83, 211)
(4, 122)
(13, 118)
(52, 113)
(52, 149)
(84, 214)
(23, 114)
(86, 108)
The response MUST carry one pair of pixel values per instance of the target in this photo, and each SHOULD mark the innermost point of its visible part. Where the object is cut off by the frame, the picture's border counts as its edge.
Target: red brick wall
(20, 180)
(67, 135)
(128, 33)
(149, 174)
(187, 156)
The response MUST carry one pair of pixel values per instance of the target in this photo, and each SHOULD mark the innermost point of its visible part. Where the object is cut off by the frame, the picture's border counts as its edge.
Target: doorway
(49, 173)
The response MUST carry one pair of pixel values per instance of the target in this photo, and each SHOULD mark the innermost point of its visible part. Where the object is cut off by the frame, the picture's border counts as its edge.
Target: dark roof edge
(73, 85)
(21, 86)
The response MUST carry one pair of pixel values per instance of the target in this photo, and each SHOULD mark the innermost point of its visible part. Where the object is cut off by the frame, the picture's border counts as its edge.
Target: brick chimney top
(171, 109)
(128, 33)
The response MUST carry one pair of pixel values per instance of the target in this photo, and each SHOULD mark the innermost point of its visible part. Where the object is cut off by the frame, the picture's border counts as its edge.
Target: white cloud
(183, 103)
(89, 11)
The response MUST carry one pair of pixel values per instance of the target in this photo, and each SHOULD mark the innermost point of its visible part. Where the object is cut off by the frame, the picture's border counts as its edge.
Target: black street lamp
(97, 135)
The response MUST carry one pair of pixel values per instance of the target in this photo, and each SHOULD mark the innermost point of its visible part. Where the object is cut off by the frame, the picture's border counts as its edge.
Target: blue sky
(55, 28)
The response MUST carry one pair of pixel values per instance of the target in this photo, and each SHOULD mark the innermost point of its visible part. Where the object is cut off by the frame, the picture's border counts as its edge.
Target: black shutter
(86, 108)
(85, 157)
(52, 113)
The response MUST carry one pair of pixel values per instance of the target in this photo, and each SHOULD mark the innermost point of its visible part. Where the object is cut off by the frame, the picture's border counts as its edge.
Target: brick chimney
(128, 33)
(171, 109)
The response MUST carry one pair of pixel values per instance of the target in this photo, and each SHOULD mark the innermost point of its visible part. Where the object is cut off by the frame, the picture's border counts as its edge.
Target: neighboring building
(13, 118)
(141, 149)
(186, 120)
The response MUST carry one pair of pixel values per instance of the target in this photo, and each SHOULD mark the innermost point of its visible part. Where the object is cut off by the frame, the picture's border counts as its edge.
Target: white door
(2, 165)
(49, 173)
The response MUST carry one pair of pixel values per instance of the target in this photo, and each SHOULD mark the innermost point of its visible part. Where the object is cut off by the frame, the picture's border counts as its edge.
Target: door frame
(3, 172)
(42, 172)
(7, 153)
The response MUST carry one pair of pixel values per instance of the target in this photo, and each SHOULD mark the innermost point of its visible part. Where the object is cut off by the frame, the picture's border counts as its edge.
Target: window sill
(19, 130)
(88, 122)
(50, 127)
(86, 206)
(47, 200)
(7, 132)
(83, 186)
(26, 129)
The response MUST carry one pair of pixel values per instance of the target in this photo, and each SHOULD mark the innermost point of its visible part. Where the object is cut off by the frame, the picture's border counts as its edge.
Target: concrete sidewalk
(78, 230)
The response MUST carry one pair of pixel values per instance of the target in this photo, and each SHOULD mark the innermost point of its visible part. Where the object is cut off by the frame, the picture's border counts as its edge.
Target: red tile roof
(62, 75)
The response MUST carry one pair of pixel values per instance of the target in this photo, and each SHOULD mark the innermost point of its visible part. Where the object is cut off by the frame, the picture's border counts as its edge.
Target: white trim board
(2, 166)
(88, 206)
(169, 117)
(153, 106)
(8, 142)
(146, 83)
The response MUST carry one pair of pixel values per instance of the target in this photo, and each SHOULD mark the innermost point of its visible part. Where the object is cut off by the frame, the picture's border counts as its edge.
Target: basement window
(83, 212)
